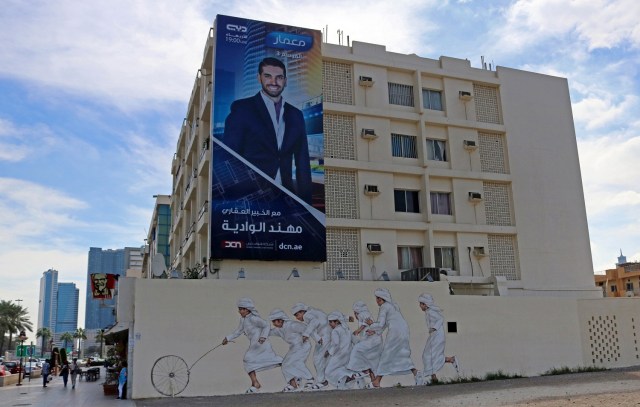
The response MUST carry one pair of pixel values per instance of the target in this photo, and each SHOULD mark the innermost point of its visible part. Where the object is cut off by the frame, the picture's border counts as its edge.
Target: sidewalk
(32, 394)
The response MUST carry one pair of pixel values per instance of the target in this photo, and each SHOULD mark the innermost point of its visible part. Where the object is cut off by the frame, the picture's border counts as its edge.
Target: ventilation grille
(502, 256)
(486, 102)
(497, 204)
(339, 140)
(342, 253)
(492, 158)
(337, 83)
(341, 194)
(603, 339)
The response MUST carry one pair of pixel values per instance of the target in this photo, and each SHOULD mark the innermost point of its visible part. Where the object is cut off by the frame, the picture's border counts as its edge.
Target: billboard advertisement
(268, 195)
(103, 285)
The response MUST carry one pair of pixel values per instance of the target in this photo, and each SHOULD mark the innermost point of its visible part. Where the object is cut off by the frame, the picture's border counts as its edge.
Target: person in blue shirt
(46, 369)
(122, 379)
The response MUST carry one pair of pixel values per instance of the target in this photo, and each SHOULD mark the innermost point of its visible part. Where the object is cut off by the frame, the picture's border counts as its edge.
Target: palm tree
(13, 318)
(79, 335)
(43, 333)
(66, 337)
(100, 337)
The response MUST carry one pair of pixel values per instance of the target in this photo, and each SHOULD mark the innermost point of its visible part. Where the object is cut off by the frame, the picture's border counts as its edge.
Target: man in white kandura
(433, 357)
(260, 355)
(294, 368)
(318, 329)
(366, 350)
(396, 353)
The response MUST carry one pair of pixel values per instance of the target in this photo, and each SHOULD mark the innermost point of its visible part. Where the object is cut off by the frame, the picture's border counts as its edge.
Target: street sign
(21, 350)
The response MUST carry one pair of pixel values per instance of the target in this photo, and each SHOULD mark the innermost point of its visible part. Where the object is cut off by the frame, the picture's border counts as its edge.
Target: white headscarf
(360, 306)
(386, 295)
(428, 300)
(248, 304)
(337, 316)
(300, 306)
(278, 314)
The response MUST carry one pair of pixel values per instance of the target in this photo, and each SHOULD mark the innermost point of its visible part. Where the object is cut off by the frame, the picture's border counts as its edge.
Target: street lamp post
(22, 337)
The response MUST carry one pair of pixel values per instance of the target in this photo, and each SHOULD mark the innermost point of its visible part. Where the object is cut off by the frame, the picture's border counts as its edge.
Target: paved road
(610, 388)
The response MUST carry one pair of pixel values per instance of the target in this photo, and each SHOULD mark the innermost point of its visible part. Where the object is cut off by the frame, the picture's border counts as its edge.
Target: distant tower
(621, 259)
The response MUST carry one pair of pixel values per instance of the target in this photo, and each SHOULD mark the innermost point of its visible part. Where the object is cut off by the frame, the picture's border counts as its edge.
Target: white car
(29, 366)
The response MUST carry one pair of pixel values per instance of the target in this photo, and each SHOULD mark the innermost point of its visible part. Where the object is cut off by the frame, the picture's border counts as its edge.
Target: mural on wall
(268, 196)
(342, 359)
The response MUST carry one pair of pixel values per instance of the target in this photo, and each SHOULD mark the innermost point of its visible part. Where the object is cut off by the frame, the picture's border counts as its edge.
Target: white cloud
(111, 50)
(32, 210)
(596, 23)
(596, 112)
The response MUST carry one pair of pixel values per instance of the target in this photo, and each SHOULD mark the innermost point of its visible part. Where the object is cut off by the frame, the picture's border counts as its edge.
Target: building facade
(48, 299)
(58, 305)
(622, 281)
(428, 163)
(100, 313)
(157, 242)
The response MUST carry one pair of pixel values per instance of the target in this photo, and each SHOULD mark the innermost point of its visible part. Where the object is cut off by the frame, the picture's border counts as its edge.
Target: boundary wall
(516, 335)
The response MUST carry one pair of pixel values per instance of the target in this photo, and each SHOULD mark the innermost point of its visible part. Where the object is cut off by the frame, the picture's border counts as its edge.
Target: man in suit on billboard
(270, 133)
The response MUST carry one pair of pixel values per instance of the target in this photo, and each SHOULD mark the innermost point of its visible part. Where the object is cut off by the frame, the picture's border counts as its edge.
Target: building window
(613, 289)
(432, 99)
(441, 203)
(629, 286)
(409, 257)
(445, 257)
(403, 146)
(400, 94)
(436, 150)
(406, 201)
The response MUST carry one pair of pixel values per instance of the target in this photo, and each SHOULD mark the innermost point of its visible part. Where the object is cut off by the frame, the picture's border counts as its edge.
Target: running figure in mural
(338, 354)
(318, 329)
(294, 368)
(396, 353)
(366, 350)
(260, 355)
(433, 356)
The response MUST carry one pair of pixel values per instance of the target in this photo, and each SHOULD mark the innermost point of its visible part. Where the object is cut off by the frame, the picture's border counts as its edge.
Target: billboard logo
(232, 244)
(288, 41)
(237, 28)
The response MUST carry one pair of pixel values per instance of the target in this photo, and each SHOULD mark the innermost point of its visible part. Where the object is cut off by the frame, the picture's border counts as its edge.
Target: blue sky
(93, 93)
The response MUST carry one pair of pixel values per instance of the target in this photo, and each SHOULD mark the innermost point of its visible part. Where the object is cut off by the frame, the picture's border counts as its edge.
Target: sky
(93, 94)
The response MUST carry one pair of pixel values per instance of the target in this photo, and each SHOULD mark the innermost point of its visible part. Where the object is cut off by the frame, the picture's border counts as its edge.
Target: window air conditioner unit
(479, 251)
(366, 81)
(374, 248)
(475, 196)
(470, 144)
(465, 96)
(368, 134)
(371, 190)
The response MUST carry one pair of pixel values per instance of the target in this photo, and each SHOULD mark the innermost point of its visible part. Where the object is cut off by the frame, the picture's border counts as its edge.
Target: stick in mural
(433, 356)
(318, 329)
(396, 353)
(367, 348)
(260, 355)
(294, 368)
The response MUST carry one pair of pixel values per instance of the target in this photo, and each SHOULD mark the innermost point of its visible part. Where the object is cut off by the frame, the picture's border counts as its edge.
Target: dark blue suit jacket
(248, 130)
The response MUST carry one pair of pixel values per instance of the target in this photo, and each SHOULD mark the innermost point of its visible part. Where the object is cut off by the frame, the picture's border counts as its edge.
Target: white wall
(524, 335)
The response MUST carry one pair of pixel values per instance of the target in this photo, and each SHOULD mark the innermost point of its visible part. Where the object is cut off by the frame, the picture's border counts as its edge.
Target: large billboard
(267, 199)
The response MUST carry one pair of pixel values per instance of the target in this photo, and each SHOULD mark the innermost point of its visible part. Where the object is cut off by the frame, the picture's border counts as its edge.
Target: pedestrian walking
(64, 372)
(46, 370)
(75, 371)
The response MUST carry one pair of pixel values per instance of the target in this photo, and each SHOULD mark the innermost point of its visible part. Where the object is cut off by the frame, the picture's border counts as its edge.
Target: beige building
(429, 163)
(622, 281)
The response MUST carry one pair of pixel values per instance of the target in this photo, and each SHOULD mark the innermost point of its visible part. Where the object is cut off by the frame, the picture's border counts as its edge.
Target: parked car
(29, 366)
(12, 367)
